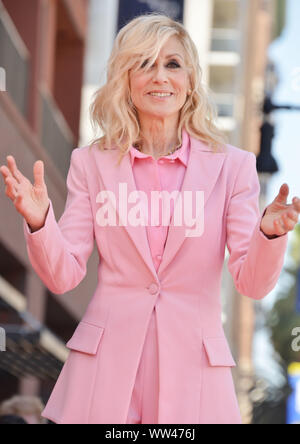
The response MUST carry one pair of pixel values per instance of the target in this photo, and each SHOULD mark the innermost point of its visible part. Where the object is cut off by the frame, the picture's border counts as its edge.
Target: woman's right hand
(31, 201)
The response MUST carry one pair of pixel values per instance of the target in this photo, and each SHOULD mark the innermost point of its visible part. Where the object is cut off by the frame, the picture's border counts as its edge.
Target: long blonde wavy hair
(112, 109)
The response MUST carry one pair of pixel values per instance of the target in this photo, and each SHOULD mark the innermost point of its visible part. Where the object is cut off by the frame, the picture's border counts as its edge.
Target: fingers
(286, 222)
(13, 169)
(5, 172)
(296, 204)
(11, 183)
(13, 179)
(279, 227)
(292, 214)
(11, 188)
(283, 193)
(8, 178)
(38, 173)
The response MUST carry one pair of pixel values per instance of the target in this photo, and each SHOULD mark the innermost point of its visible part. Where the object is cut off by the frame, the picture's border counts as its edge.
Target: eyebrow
(171, 55)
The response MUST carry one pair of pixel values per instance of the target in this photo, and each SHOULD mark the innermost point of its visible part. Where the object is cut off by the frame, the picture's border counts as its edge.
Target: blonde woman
(151, 346)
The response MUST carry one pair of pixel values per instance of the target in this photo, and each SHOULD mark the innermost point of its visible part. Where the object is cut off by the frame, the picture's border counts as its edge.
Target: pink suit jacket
(195, 361)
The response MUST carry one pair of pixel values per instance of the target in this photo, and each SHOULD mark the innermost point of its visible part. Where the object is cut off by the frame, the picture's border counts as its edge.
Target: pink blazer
(195, 361)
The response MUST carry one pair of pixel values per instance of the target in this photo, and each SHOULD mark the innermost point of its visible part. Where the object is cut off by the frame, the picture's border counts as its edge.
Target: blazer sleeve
(255, 262)
(59, 251)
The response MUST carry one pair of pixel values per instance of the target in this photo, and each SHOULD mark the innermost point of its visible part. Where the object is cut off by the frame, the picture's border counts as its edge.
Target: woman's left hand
(280, 217)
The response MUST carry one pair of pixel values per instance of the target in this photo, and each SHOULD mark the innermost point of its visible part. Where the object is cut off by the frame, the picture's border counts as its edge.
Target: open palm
(31, 201)
(280, 217)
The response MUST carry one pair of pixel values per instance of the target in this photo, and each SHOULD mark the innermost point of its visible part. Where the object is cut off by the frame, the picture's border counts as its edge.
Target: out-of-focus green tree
(270, 408)
(280, 17)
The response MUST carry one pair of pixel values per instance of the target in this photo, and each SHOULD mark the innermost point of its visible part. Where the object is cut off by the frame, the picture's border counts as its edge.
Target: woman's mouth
(160, 96)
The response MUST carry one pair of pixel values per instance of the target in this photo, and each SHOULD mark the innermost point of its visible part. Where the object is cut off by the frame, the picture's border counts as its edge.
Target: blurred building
(101, 34)
(42, 46)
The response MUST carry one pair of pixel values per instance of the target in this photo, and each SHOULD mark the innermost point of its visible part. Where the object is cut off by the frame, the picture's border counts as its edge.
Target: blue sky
(285, 53)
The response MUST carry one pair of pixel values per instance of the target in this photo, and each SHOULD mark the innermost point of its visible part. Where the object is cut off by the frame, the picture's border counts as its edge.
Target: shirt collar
(181, 153)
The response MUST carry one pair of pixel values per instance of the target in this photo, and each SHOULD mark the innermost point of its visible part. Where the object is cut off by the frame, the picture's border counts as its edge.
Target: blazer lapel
(112, 176)
(201, 174)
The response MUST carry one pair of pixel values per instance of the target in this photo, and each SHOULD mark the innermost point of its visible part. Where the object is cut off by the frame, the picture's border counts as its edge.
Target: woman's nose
(159, 74)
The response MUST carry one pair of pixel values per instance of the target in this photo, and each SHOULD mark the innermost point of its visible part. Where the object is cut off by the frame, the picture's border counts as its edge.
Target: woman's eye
(174, 64)
(145, 63)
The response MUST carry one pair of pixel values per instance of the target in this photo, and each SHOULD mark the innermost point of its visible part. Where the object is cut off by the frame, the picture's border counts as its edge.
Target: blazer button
(153, 288)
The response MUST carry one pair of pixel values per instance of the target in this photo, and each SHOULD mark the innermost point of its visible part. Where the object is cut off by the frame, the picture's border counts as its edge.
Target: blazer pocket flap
(218, 352)
(86, 338)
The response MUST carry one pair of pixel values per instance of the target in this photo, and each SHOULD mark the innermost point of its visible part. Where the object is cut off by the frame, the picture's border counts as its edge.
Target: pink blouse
(166, 173)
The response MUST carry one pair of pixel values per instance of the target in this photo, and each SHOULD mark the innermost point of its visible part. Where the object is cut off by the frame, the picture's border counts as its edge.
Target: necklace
(168, 153)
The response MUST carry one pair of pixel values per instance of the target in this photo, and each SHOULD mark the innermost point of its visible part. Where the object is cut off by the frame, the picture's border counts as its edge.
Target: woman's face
(169, 75)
